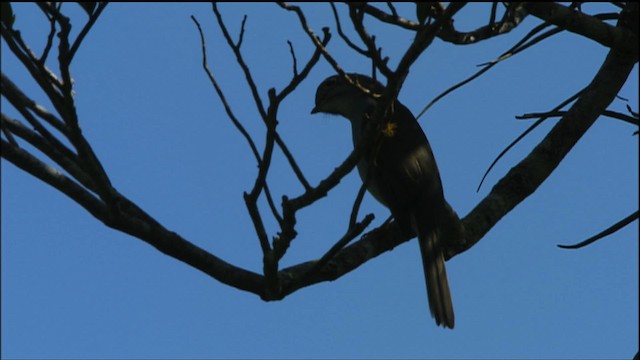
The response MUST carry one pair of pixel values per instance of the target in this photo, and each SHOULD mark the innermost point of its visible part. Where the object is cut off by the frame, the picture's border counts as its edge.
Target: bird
(401, 173)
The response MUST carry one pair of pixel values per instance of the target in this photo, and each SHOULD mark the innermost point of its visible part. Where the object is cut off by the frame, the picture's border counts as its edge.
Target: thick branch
(130, 219)
(618, 38)
(523, 179)
(50, 175)
(134, 221)
(370, 245)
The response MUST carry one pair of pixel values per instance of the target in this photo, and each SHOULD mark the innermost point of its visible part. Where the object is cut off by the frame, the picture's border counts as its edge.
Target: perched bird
(401, 173)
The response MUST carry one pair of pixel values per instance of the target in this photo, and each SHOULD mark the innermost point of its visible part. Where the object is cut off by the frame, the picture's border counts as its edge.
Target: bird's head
(337, 96)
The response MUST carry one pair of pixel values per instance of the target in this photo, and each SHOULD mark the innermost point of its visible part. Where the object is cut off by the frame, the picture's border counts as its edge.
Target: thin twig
(242, 28)
(293, 57)
(526, 132)
(44, 77)
(352, 233)
(240, 60)
(612, 114)
(312, 36)
(52, 31)
(512, 51)
(492, 16)
(85, 30)
(356, 205)
(264, 241)
(288, 89)
(343, 36)
(225, 103)
(373, 52)
(610, 230)
(392, 8)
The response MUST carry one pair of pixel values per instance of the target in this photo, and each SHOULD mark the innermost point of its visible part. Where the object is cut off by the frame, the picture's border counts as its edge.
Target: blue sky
(72, 288)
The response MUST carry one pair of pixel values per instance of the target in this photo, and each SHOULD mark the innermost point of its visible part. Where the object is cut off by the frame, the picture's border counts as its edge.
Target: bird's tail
(432, 251)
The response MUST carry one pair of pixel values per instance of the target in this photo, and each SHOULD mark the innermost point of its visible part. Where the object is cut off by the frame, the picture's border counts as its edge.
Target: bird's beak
(315, 110)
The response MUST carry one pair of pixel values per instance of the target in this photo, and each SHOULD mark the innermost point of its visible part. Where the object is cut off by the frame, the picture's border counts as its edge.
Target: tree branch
(523, 179)
(610, 230)
(513, 16)
(617, 38)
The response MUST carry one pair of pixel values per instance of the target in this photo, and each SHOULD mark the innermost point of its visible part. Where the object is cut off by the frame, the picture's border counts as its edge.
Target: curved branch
(50, 175)
(67, 160)
(392, 18)
(608, 231)
(343, 36)
(130, 219)
(525, 133)
(513, 16)
(85, 30)
(370, 245)
(618, 38)
(523, 179)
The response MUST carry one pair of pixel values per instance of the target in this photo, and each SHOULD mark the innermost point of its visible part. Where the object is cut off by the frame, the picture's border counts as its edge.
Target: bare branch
(293, 57)
(23, 104)
(392, 8)
(610, 230)
(373, 51)
(52, 31)
(517, 48)
(612, 114)
(241, 62)
(255, 216)
(30, 164)
(356, 205)
(67, 111)
(369, 246)
(259, 105)
(423, 39)
(85, 30)
(352, 233)
(392, 18)
(617, 38)
(492, 16)
(241, 36)
(513, 16)
(525, 177)
(90, 186)
(342, 34)
(525, 133)
(132, 220)
(7, 133)
(225, 103)
(119, 213)
(58, 153)
(47, 81)
(289, 88)
(312, 36)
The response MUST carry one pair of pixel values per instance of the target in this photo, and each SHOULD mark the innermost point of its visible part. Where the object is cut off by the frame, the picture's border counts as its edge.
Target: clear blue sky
(72, 288)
